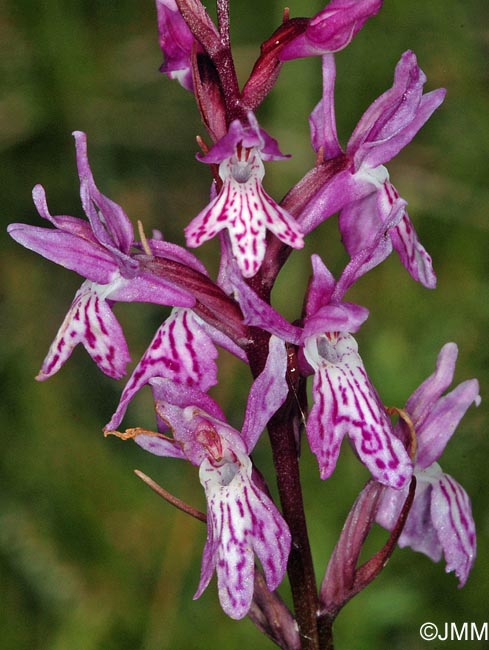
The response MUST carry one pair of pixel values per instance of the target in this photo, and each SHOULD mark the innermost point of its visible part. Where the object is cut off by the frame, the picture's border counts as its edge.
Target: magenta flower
(332, 29)
(242, 206)
(362, 192)
(176, 42)
(100, 251)
(440, 521)
(345, 401)
(241, 519)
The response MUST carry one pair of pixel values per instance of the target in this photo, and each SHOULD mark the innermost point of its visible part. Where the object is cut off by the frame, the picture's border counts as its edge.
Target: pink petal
(267, 393)
(168, 250)
(322, 120)
(443, 419)
(73, 225)
(244, 208)
(378, 248)
(149, 287)
(249, 137)
(180, 351)
(331, 29)
(452, 518)
(395, 117)
(413, 255)
(89, 259)
(259, 313)
(159, 446)
(89, 321)
(109, 222)
(346, 403)
(241, 520)
(176, 41)
(321, 286)
(419, 533)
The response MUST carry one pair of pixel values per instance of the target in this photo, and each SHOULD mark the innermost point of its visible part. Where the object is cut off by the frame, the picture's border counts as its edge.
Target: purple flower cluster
(256, 234)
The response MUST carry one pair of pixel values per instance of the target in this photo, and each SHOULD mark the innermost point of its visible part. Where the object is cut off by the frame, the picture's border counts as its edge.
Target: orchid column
(252, 542)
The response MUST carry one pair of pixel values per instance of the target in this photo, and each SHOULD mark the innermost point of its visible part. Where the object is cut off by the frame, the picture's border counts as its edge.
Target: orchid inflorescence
(408, 493)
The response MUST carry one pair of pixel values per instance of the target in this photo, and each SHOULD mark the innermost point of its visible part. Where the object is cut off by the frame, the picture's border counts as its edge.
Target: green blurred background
(90, 558)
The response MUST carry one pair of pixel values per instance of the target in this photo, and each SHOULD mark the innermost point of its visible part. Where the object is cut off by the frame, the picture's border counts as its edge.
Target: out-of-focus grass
(89, 557)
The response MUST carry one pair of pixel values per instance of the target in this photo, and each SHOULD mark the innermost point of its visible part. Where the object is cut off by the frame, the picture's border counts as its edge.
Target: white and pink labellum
(451, 513)
(246, 211)
(91, 322)
(241, 521)
(182, 351)
(412, 253)
(439, 523)
(346, 403)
